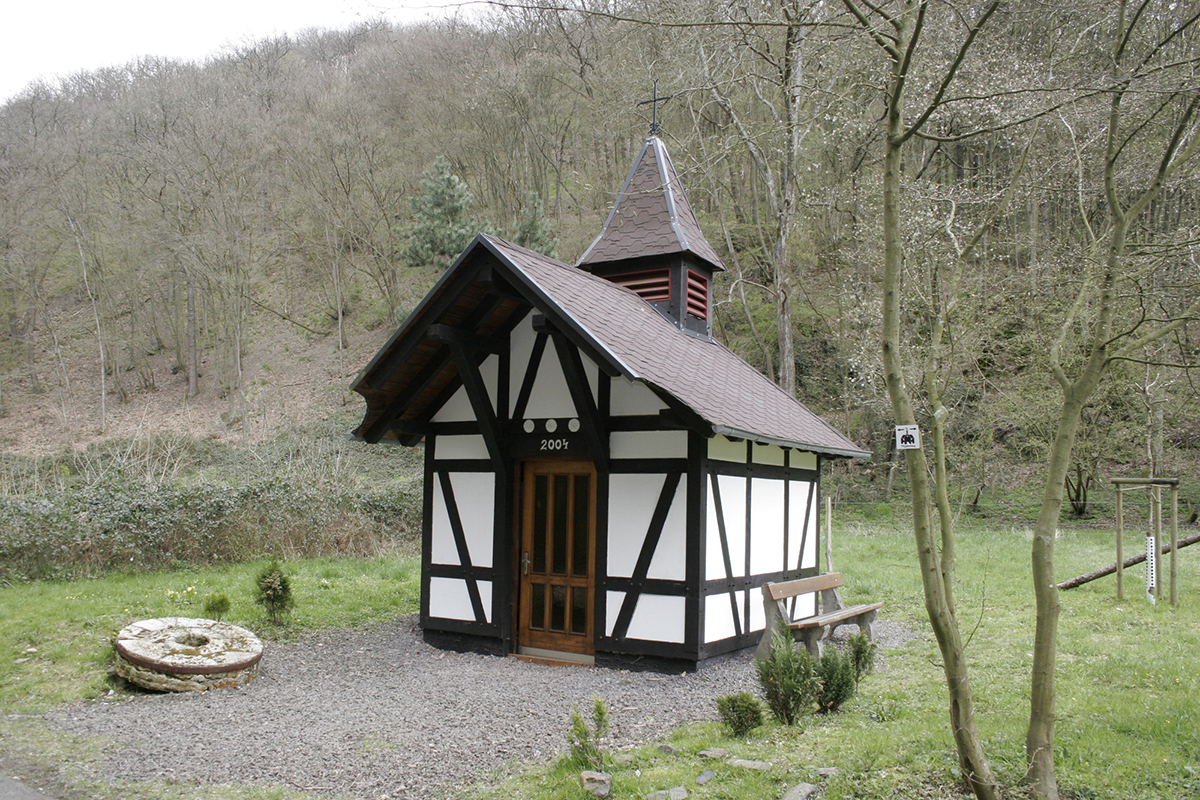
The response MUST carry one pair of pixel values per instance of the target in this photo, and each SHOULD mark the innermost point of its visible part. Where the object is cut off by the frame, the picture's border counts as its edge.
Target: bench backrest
(817, 583)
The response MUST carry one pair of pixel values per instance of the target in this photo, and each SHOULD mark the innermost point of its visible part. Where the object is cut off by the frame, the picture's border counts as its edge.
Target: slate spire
(651, 217)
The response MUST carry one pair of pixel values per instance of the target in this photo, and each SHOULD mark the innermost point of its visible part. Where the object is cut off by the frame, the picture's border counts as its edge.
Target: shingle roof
(730, 395)
(652, 216)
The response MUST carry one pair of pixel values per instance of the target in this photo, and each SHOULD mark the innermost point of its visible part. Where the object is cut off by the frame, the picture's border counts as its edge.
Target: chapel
(604, 482)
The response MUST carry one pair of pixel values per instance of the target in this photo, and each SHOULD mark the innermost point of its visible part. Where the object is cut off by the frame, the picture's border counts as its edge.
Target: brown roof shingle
(652, 216)
(730, 395)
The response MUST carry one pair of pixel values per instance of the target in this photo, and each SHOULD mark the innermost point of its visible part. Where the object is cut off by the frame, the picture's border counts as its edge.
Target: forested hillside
(218, 248)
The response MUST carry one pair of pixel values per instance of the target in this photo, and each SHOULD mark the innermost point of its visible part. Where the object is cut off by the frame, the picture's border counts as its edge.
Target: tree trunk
(972, 762)
(193, 370)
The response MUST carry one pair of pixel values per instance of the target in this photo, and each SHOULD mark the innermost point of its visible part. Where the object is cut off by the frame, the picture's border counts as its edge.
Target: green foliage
(534, 232)
(787, 678)
(143, 505)
(862, 654)
(742, 712)
(584, 741)
(444, 225)
(216, 605)
(274, 592)
(837, 680)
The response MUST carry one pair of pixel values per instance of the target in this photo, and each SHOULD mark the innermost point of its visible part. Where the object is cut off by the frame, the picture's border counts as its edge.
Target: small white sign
(1151, 569)
(908, 437)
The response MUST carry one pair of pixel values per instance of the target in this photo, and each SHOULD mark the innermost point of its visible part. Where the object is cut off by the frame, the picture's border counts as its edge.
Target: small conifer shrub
(274, 592)
(584, 741)
(837, 680)
(742, 712)
(787, 678)
(216, 605)
(862, 654)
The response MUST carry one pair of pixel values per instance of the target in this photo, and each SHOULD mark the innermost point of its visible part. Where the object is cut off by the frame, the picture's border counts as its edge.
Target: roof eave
(837, 452)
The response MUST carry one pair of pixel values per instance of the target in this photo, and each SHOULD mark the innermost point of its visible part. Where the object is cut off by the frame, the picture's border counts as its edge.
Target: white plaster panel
(733, 503)
(449, 599)
(475, 493)
(806, 606)
(458, 408)
(718, 616)
(658, 618)
(766, 526)
(648, 444)
(631, 503)
(803, 460)
(718, 619)
(632, 399)
(758, 615)
(798, 499)
(444, 551)
(723, 449)
(670, 557)
(452, 447)
(769, 454)
(612, 606)
(714, 566)
(520, 347)
(551, 396)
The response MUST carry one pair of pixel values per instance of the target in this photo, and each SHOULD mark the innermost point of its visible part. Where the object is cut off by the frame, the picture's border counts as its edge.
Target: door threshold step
(555, 658)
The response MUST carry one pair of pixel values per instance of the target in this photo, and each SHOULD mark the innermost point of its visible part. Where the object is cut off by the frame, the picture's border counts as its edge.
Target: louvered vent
(651, 285)
(697, 295)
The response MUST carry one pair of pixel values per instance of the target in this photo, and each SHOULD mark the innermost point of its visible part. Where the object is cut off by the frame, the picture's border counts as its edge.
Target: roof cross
(655, 100)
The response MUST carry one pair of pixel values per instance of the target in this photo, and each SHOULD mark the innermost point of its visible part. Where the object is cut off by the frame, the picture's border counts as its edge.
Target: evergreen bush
(274, 592)
(862, 654)
(787, 678)
(742, 712)
(584, 741)
(216, 605)
(837, 680)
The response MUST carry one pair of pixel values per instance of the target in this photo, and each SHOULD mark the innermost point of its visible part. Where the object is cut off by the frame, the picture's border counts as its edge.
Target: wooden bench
(820, 626)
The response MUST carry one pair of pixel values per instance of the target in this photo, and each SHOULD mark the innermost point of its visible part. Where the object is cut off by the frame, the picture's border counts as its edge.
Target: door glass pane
(539, 523)
(579, 610)
(562, 487)
(558, 608)
(583, 492)
(537, 607)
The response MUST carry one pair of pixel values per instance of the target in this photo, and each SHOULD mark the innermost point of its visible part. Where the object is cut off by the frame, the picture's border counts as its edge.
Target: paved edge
(12, 789)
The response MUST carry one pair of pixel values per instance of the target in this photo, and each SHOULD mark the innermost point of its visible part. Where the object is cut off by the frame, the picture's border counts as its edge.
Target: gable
(476, 310)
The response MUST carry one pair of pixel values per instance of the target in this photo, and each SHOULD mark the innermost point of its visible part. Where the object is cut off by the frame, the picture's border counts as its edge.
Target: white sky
(55, 38)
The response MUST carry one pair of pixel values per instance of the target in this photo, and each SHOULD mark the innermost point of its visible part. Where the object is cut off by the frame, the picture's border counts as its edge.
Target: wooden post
(1174, 541)
(829, 534)
(1120, 545)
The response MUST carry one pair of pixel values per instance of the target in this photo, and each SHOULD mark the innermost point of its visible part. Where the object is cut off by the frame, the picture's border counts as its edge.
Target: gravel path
(379, 714)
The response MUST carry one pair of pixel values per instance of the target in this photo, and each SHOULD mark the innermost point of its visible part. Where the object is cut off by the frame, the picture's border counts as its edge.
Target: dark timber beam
(594, 431)
(481, 403)
(473, 342)
(412, 390)
(407, 344)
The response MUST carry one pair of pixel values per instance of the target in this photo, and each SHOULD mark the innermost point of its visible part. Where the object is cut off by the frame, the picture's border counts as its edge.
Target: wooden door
(558, 556)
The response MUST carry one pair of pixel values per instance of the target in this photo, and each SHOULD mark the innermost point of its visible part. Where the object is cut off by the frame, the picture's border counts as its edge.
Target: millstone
(181, 654)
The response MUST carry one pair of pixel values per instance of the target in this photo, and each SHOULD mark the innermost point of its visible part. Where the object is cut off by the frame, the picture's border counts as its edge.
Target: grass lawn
(1129, 676)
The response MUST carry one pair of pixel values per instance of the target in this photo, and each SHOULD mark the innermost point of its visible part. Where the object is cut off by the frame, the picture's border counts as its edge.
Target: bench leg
(771, 608)
(812, 638)
(866, 623)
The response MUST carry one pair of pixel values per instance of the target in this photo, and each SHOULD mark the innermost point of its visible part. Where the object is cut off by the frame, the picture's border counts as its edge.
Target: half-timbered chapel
(604, 482)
